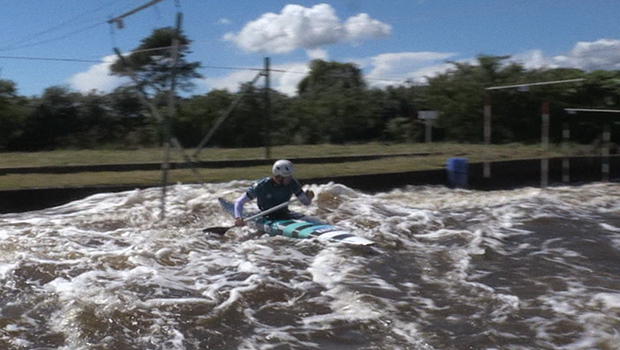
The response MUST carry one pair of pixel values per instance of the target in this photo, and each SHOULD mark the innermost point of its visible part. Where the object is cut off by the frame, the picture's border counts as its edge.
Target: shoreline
(504, 175)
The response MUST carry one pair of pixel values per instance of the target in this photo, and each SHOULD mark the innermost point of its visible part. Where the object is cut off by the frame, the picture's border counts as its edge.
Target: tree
(459, 95)
(326, 76)
(152, 63)
(54, 117)
(13, 111)
(333, 104)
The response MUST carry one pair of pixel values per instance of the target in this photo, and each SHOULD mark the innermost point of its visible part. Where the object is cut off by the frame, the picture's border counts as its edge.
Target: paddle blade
(216, 230)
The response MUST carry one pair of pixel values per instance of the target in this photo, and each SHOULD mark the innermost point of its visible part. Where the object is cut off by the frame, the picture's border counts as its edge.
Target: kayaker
(273, 190)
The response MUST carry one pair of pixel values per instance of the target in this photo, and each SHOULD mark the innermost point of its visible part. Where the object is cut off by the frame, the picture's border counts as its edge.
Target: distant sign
(428, 115)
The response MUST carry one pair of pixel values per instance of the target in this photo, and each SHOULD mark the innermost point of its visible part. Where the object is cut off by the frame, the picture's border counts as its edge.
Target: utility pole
(267, 131)
(167, 119)
(167, 125)
(119, 19)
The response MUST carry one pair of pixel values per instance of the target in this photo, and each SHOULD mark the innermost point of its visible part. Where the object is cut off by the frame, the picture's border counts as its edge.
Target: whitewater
(528, 268)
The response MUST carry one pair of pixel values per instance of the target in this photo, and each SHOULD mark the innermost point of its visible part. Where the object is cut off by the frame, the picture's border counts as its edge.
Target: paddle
(220, 230)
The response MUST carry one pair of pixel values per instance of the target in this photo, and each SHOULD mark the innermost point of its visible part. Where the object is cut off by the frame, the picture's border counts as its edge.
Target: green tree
(54, 117)
(333, 104)
(13, 112)
(152, 63)
(132, 127)
(326, 76)
(459, 95)
(197, 115)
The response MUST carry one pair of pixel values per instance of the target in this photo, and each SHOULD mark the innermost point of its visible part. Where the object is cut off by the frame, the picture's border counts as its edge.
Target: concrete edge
(504, 175)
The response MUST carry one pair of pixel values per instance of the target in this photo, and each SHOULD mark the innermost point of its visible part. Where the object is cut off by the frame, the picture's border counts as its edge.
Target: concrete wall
(505, 175)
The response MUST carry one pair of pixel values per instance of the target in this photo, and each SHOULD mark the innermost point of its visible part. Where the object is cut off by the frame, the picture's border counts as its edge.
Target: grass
(439, 153)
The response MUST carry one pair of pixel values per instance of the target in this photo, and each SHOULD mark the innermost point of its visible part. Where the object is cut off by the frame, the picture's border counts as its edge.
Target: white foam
(609, 227)
(609, 300)
(110, 254)
(6, 269)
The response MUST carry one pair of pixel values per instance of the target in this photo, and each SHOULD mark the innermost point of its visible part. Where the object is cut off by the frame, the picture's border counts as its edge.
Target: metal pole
(606, 136)
(267, 110)
(535, 84)
(167, 125)
(544, 165)
(119, 19)
(487, 135)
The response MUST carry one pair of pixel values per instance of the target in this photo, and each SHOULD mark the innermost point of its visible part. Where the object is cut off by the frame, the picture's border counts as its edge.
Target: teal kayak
(299, 226)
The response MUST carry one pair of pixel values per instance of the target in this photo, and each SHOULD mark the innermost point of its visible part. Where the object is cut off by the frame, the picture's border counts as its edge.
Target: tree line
(333, 104)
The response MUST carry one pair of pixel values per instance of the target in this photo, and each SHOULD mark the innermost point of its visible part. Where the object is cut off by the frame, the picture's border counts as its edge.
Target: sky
(70, 43)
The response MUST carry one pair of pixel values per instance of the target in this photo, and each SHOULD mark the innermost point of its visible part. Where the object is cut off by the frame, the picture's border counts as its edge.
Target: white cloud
(601, 54)
(534, 59)
(402, 66)
(398, 67)
(97, 78)
(363, 27)
(284, 79)
(317, 54)
(230, 82)
(298, 27)
(224, 21)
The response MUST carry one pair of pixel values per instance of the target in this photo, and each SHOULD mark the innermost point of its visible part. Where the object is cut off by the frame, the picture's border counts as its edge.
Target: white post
(606, 135)
(428, 117)
(487, 117)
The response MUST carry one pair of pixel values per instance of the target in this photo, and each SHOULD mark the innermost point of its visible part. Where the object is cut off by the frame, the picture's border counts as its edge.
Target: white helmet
(283, 168)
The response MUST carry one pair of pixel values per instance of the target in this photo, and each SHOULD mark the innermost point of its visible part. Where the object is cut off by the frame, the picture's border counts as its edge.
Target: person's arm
(239, 203)
(305, 197)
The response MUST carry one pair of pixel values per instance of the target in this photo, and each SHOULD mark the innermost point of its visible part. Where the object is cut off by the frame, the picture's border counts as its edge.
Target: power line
(50, 59)
(22, 42)
(55, 38)
(27, 58)
(80, 60)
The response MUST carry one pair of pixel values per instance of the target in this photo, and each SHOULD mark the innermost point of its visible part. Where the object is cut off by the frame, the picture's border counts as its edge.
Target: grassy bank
(438, 153)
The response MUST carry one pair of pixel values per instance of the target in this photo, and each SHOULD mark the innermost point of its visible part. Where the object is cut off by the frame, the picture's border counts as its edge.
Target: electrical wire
(56, 38)
(49, 59)
(23, 42)
(79, 60)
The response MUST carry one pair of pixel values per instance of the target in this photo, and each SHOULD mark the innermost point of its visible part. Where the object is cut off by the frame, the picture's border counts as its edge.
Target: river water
(451, 269)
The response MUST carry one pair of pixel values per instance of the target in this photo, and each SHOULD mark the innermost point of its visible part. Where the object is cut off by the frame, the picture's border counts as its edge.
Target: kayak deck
(300, 226)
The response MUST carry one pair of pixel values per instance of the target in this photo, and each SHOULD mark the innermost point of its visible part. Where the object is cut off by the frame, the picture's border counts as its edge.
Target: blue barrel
(457, 172)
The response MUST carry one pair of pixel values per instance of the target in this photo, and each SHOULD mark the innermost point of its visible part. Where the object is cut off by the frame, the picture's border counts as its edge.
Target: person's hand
(309, 194)
(239, 222)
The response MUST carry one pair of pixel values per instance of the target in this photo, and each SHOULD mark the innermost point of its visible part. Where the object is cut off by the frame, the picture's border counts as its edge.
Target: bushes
(333, 106)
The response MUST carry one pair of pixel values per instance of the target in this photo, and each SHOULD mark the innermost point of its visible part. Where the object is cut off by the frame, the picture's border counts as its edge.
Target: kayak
(300, 226)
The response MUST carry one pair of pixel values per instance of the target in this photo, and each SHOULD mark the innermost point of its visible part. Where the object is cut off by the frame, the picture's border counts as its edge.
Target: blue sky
(69, 42)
